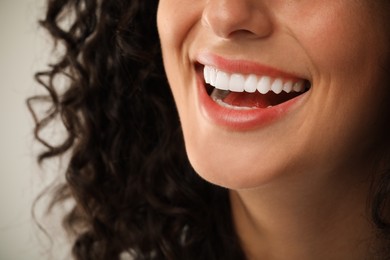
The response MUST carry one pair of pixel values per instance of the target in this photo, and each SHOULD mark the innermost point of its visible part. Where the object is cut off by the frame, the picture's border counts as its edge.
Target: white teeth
(206, 74)
(298, 86)
(287, 86)
(236, 83)
(250, 83)
(213, 76)
(277, 86)
(222, 80)
(264, 85)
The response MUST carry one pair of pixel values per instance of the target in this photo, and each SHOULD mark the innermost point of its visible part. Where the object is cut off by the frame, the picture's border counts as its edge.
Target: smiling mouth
(249, 91)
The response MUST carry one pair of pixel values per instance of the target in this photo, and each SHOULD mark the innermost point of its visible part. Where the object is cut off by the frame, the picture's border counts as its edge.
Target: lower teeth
(223, 104)
(219, 95)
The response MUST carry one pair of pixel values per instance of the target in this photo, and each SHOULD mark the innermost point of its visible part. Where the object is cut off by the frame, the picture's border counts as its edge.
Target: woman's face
(308, 84)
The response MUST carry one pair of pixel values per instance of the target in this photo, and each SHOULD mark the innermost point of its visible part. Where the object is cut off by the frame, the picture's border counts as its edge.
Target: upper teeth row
(250, 83)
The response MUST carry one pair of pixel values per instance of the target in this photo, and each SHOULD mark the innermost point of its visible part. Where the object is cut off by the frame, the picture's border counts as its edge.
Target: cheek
(338, 36)
(342, 53)
(348, 50)
(175, 20)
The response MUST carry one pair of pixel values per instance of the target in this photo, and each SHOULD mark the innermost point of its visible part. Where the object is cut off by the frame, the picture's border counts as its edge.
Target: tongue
(244, 99)
(257, 100)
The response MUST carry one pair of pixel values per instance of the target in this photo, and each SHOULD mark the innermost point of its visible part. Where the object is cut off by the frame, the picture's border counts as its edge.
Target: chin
(234, 175)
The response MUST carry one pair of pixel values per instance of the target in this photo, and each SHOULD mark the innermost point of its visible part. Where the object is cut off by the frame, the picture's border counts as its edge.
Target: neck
(305, 218)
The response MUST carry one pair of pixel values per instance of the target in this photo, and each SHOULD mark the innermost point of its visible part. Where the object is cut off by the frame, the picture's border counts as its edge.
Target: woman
(283, 107)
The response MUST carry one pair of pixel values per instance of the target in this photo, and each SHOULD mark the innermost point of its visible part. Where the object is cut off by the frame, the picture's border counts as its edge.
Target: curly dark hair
(134, 188)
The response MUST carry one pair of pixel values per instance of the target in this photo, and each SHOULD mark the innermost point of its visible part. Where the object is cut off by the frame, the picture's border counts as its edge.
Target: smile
(242, 95)
(268, 91)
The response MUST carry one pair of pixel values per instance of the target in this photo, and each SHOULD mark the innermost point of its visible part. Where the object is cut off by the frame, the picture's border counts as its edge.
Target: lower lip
(242, 120)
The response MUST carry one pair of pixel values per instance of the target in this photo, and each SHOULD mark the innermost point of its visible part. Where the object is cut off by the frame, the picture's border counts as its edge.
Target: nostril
(243, 33)
(228, 19)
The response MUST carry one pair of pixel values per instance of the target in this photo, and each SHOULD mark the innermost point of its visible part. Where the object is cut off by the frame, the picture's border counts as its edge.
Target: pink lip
(241, 120)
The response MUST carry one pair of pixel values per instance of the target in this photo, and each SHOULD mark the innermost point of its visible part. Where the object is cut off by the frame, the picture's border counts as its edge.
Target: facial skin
(340, 47)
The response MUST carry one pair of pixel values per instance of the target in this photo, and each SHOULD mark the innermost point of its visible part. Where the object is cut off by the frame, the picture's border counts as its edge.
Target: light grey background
(23, 50)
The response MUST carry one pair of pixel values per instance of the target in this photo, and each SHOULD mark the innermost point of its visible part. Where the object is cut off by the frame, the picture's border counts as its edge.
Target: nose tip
(230, 18)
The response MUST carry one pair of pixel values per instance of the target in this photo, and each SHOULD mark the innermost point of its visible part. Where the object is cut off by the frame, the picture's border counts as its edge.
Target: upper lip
(243, 66)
